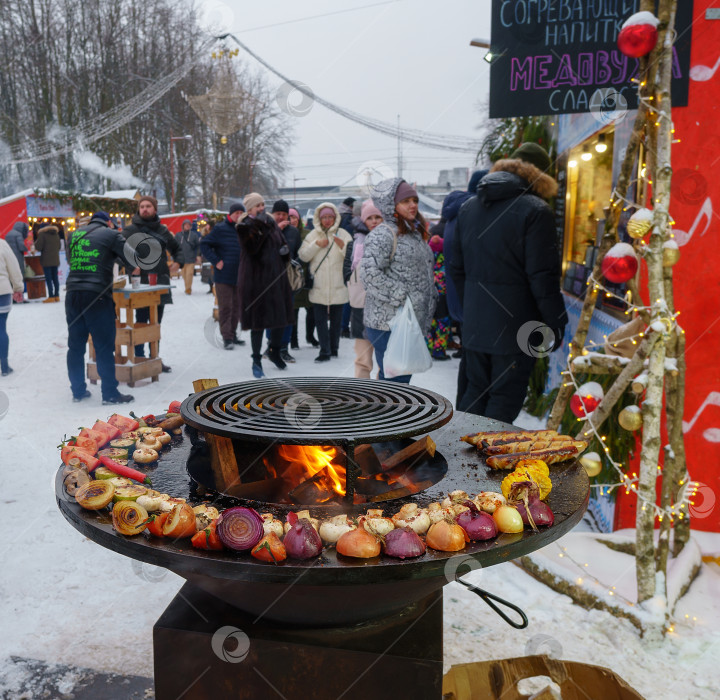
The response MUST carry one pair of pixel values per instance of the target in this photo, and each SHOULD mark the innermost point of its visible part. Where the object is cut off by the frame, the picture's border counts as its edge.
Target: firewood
(412, 454)
(367, 460)
(222, 455)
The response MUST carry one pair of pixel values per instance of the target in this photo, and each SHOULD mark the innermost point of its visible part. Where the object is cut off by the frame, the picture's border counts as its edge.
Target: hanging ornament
(630, 418)
(638, 35)
(591, 462)
(586, 399)
(639, 223)
(671, 253)
(620, 263)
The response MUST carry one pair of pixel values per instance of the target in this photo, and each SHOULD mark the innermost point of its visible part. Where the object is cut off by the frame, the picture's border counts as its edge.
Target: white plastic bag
(407, 351)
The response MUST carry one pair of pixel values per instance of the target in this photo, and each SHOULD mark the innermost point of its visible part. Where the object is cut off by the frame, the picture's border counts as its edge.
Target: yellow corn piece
(537, 464)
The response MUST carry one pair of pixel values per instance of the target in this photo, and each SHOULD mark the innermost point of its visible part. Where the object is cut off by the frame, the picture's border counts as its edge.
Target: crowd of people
(488, 266)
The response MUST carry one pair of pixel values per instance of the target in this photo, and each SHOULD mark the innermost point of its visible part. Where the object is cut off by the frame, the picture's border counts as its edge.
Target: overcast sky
(377, 58)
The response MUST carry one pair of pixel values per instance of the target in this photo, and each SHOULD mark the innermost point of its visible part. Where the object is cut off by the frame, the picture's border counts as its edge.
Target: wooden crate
(129, 374)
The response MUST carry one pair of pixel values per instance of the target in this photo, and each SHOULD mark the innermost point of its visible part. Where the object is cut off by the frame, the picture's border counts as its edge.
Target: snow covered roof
(118, 194)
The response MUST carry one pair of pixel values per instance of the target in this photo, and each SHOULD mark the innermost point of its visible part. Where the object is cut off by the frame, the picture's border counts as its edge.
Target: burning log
(371, 486)
(316, 490)
(420, 450)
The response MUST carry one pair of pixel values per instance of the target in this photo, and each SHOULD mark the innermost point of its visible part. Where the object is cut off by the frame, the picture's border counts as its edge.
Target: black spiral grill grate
(316, 411)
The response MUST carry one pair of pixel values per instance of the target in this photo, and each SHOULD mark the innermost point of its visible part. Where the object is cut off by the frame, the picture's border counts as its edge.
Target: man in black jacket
(89, 308)
(506, 267)
(221, 247)
(149, 240)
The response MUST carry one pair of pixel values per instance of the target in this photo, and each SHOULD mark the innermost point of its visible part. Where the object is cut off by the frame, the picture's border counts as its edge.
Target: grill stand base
(395, 657)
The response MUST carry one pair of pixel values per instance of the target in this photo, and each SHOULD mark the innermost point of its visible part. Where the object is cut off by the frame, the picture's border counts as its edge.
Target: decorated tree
(655, 374)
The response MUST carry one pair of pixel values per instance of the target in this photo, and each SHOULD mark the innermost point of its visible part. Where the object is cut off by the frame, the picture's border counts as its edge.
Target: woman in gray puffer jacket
(397, 263)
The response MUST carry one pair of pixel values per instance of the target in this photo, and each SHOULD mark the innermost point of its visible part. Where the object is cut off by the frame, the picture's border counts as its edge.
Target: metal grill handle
(488, 598)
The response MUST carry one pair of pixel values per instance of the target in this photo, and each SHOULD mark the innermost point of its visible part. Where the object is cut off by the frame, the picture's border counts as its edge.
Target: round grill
(316, 410)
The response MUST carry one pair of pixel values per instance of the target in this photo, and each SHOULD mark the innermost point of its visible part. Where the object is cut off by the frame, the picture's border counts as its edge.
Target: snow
(641, 18)
(66, 600)
(591, 390)
(632, 409)
(670, 244)
(620, 250)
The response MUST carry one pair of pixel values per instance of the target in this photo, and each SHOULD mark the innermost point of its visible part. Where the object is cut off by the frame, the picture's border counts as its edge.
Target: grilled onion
(95, 495)
(129, 518)
(358, 543)
(240, 528)
(446, 536)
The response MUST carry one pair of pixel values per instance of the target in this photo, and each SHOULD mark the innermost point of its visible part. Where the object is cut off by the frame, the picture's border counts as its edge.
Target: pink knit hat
(369, 209)
(294, 212)
(326, 210)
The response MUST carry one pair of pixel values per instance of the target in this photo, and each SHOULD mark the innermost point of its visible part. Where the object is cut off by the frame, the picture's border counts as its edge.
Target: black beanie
(350, 201)
(236, 206)
(280, 205)
(475, 180)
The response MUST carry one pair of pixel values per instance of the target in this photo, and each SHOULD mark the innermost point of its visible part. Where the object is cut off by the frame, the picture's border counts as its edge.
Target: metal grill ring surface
(316, 410)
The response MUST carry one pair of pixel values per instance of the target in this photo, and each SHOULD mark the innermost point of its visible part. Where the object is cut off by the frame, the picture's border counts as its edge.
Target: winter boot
(273, 354)
(257, 369)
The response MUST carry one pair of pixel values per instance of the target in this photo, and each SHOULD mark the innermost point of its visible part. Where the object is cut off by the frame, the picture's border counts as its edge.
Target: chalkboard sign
(561, 57)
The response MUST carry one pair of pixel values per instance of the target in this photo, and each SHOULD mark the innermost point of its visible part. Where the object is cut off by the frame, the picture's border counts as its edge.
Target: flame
(304, 461)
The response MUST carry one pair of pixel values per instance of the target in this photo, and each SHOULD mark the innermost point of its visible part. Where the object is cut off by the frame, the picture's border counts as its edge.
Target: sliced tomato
(269, 549)
(174, 407)
(122, 423)
(110, 430)
(84, 443)
(156, 524)
(207, 538)
(72, 451)
(100, 438)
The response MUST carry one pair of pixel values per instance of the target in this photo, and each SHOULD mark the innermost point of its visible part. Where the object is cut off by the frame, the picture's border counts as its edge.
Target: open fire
(316, 475)
(312, 474)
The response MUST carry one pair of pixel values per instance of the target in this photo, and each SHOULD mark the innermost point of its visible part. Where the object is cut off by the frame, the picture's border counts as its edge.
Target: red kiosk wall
(11, 213)
(695, 207)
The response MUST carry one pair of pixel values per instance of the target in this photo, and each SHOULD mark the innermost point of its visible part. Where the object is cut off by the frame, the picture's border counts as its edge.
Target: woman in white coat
(11, 280)
(324, 250)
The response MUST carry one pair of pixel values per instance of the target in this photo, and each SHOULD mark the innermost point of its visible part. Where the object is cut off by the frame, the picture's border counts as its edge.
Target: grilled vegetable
(124, 470)
(508, 519)
(240, 528)
(129, 518)
(403, 543)
(128, 493)
(204, 515)
(331, 530)
(109, 431)
(446, 536)
(302, 540)
(156, 522)
(207, 538)
(122, 423)
(413, 517)
(270, 549)
(180, 522)
(359, 543)
(124, 444)
(95, 494)
(113, 453)
(479, 526)
(145, 455)
(74, 480)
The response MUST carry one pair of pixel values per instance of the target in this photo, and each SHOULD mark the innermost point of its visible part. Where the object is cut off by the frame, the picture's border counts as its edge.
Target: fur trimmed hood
(541, 184)
(316, 218)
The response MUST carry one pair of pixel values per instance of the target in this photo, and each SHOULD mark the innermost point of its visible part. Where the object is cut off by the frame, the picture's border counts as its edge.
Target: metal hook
(489, 597)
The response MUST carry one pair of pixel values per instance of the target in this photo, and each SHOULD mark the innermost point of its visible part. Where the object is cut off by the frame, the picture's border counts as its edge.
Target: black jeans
(90, 314)
(329, 338)
(256, 338)
(496, 384)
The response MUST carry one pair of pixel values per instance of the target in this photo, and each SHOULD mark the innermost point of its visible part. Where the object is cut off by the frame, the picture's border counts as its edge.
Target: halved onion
(95, 495)
(180, 522)
(240, 528)
(129, 518)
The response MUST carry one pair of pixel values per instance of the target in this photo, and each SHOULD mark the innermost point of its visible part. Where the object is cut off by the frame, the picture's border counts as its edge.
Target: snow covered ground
(64, 599)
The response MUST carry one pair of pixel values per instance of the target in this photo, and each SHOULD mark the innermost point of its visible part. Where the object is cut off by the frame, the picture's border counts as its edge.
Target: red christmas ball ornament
(638, 35)
(620, 263)
(586, 399)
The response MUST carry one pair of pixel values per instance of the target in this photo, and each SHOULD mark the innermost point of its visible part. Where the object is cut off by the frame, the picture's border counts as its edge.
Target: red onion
(403, 542)
(525, 497)
(478, 525)
(302, 540)
(240, 528)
